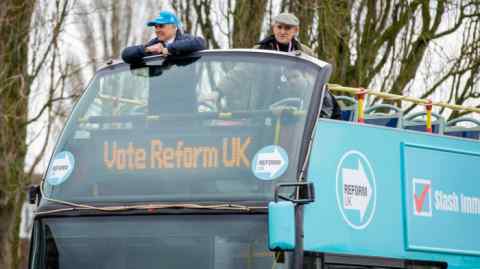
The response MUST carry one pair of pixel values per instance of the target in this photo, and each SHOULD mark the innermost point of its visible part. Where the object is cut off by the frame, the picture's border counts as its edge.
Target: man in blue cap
(169, 40)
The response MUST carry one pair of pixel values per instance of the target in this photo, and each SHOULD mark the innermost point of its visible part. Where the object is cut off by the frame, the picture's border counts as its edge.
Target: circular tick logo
(61, 168)
(270, 162)
(356, 189)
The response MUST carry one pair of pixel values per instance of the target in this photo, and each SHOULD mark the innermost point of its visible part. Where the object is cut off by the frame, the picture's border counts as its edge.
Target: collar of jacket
(271, 40)
(178, 36)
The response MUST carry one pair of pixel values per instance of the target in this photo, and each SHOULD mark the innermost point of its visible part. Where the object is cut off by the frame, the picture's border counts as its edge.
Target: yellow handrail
(395, 97)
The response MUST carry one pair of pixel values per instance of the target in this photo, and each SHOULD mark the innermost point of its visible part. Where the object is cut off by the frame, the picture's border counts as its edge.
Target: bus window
(208, 125)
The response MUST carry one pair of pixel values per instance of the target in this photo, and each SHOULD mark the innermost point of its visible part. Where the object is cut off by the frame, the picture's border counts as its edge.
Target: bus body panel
(393, 193)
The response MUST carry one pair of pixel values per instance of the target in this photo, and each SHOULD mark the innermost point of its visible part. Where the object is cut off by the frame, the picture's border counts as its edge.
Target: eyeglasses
(160, 26)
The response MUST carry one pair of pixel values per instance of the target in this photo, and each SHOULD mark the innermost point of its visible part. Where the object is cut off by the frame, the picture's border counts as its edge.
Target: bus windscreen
(215, 127)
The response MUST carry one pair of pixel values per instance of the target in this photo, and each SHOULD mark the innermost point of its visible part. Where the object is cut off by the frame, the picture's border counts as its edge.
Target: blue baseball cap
(165, 17)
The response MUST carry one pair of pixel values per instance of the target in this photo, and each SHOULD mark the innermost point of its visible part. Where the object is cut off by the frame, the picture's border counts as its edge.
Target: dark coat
(270, 43)
(183, 44)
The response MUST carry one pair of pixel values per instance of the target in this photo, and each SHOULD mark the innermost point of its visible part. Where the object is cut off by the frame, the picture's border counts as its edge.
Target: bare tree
(203, 12)
(305, 11)
(184, 9)
(333, 37)
(385, 43)
(104, 28)
(27, 54)
(248, 17)
(14, 91)
(382, 44)
(462, 79)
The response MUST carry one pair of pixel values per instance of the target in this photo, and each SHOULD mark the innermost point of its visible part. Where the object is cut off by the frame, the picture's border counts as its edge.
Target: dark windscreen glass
(143, 242)
(219, 127)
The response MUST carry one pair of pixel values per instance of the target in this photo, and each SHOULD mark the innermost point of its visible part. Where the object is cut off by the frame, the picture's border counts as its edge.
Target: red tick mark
(419, 200)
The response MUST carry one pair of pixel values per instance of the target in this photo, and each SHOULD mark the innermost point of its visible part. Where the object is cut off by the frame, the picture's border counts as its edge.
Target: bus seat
(348, 107)
(417, 122)
(472, 132)
(393, 119)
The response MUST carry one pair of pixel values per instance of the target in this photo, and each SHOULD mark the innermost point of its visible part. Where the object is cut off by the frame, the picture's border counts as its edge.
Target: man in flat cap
(169, 40)
(285, 28)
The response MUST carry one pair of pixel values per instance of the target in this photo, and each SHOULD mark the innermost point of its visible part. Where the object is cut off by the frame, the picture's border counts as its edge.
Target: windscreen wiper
(149, 207)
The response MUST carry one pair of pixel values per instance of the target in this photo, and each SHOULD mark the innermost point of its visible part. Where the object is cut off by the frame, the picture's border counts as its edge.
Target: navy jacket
(183, 44)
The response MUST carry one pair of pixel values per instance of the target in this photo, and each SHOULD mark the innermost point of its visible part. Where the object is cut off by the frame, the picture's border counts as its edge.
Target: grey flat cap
(286, 18)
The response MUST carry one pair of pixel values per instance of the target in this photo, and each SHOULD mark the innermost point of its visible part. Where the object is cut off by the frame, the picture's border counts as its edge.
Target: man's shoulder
(265, 43)
(183, 36)
(267, 40)
(306, 49)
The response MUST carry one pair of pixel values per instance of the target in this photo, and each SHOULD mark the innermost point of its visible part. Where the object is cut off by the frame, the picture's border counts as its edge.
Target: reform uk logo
(422, 197)
(356, 189)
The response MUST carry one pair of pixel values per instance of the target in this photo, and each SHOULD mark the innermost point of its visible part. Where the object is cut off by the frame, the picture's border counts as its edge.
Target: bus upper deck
(172, 163)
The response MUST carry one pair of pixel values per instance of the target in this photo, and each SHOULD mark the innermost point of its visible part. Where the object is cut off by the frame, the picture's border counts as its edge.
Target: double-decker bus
(219, 159)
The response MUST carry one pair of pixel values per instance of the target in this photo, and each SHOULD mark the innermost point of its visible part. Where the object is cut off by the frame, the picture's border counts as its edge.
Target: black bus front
(171, 164)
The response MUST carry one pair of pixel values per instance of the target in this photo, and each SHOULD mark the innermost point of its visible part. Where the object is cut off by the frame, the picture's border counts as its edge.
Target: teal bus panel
(443, 199)
(364, 196)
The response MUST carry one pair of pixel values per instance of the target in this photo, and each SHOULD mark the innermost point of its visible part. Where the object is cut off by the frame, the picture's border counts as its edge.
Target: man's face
(165, 32)
(284, 33)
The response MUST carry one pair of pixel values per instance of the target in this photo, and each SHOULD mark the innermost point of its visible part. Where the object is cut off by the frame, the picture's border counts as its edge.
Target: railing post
(428, 107)
(360, 104)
